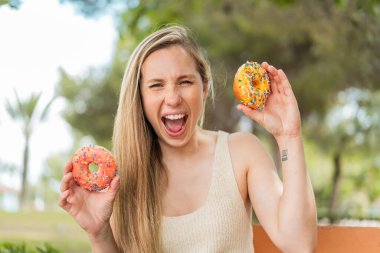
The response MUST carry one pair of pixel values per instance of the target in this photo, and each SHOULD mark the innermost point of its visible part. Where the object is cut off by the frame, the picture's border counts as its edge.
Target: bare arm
(91, 210)
(286, 210)
(297, 211)
(104, 242)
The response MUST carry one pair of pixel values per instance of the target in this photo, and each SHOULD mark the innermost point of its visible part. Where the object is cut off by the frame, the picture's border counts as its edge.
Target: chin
(178, 138)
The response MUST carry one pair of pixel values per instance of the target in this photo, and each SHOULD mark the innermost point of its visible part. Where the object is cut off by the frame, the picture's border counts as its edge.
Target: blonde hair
(137, 214)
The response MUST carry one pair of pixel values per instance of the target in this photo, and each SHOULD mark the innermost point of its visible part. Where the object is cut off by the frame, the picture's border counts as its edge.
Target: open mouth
(175, 123)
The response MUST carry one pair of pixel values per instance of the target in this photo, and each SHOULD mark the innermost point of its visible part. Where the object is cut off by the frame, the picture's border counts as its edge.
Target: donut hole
(93, 167)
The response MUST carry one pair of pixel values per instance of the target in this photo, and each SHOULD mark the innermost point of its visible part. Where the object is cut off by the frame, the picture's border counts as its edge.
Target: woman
(185, 189)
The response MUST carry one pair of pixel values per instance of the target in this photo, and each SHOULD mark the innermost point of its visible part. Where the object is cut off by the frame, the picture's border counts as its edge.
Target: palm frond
(46, 109)
(11, 110)
(31, 104)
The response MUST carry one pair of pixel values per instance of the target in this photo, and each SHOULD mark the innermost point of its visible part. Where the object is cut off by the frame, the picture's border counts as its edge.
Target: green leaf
(46, 109)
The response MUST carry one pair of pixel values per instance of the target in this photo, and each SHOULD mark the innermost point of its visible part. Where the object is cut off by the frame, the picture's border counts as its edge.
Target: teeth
(175, 116)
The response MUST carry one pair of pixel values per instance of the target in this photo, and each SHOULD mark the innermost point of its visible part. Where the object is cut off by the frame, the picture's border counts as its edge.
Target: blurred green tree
(6, 167)
(92, 102)
(323, 51)
(15, 4)
(350, 127)
(95, 8)
(25, 111)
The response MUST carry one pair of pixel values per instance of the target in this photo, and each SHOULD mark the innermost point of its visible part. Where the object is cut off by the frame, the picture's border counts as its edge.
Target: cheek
(195, 99)
(150, 107)
(146, 103)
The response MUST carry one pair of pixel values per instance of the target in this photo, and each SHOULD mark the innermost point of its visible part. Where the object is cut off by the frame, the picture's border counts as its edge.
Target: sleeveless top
(221, 224)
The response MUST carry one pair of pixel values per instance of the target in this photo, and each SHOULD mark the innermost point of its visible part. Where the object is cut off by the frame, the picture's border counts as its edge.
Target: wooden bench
(331, 239)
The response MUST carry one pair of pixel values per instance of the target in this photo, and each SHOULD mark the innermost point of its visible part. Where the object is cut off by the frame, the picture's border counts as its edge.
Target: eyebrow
(156, 80)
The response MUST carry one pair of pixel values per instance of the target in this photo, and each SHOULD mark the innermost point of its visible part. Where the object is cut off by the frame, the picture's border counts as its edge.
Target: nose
(173, 98)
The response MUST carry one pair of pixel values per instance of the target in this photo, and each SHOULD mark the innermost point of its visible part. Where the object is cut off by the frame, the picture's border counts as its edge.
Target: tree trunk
(335, 182)
(24, 173)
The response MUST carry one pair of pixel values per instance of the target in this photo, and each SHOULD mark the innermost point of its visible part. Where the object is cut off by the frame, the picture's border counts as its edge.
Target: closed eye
(186, 82)
(155, 85)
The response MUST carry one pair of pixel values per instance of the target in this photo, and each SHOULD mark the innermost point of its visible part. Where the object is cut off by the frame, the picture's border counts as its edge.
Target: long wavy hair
(137, 213)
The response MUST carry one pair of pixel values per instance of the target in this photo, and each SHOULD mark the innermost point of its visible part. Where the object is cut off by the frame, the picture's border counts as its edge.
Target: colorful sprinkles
(100, 179)
(252, 85)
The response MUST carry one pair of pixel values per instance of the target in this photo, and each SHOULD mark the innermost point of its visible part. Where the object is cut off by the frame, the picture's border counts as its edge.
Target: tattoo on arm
(284, 155)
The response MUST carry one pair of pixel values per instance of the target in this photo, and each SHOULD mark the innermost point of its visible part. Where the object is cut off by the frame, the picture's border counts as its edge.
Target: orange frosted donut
(100, 179)
(251, 85)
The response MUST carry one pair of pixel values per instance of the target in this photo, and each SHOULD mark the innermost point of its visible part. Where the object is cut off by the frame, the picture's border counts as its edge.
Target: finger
(71, 198)
(272, 70)
(114, 187)
(264, 65)
(276, 79)
(273, 76)
(253, 114)
(68, 167)
(287, 88)
(62, 202)
(65, 183)
(273, 84)
(73, 184)
(283, 78)
(273, 87)
(273, 73)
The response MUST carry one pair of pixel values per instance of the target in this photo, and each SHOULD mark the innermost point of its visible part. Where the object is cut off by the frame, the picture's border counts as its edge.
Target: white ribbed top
(221, 224)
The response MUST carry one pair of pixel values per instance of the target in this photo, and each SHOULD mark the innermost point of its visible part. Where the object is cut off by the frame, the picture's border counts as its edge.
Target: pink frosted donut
(100, 179)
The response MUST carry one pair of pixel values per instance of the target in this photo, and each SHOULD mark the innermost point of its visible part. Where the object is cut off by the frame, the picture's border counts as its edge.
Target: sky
(35, 41)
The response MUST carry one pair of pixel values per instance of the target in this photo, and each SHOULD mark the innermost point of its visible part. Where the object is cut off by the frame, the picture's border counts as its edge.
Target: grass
(35, 228)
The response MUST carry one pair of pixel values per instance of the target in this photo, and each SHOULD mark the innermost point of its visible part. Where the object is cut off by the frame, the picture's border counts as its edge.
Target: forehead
(168, 62)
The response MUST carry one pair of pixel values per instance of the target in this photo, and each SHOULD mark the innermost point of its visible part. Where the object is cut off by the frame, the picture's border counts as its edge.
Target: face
(173, 93)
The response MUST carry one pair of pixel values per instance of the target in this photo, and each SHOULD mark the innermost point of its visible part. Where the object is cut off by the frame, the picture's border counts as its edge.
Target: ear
(205, 89)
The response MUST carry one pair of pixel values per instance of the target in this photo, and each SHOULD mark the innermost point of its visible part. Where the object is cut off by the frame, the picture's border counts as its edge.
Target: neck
(187, 150)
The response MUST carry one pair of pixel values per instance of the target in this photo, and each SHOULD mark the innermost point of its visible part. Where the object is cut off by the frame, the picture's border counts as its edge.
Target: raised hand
(92, 210)
(280, 116)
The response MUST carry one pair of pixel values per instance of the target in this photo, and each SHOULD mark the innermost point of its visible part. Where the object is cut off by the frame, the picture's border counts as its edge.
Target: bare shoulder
(244, 142)
(242, 137)
(246, 149)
